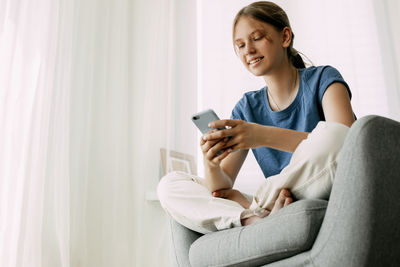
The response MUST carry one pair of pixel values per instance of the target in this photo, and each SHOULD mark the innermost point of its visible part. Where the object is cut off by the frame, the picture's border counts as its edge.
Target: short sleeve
(237, 112)
(328, 76)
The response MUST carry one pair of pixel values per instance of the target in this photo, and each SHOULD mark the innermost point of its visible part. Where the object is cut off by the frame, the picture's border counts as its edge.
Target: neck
(282, 85)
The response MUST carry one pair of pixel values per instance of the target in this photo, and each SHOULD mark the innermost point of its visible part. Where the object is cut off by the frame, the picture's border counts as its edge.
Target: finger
(233, 141)
(224, 154)
(233, 149)
(212, 152)
(207, 145)
(220, 134)
(211, 131)
(223, 123)
(217, 147)
(202, 141)
(231, 145)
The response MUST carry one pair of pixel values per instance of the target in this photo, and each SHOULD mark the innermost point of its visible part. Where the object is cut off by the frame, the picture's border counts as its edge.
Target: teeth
(255, 60)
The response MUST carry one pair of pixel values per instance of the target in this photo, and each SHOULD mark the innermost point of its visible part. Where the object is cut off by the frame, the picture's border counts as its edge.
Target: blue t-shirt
(303, 113)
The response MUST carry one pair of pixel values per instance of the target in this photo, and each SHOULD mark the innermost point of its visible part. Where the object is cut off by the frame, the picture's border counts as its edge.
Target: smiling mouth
(255, 61)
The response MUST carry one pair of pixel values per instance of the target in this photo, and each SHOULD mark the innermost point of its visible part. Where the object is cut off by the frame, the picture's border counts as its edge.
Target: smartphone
(202, 119)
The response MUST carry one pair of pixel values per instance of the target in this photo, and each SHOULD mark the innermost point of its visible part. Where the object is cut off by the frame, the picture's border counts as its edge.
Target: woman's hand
(243, 135)
(213, 152)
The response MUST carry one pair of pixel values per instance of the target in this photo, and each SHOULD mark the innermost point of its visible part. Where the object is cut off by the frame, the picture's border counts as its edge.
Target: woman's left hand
(243, 135)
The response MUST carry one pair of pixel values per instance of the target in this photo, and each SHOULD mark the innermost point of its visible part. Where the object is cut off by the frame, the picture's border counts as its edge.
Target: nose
(250, 48)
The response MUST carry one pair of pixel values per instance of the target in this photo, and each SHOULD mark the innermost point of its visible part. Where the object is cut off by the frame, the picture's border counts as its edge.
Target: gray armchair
(358, 226)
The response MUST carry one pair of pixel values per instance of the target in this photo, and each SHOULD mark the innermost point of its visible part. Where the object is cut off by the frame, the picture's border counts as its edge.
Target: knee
(324, 142)
(329, 138)
(336, 131)
(167, 184)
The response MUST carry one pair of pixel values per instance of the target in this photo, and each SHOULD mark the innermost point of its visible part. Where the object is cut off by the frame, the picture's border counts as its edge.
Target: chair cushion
(285, 233)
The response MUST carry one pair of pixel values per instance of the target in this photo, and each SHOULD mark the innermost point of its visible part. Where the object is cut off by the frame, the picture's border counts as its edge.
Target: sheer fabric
(34, 185)
(86, 103)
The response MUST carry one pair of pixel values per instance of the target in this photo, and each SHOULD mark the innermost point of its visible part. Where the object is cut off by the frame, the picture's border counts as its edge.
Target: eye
(258, 38)
(240, 45)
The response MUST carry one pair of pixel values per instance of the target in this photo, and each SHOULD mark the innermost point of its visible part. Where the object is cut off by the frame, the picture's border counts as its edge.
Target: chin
(258, 72)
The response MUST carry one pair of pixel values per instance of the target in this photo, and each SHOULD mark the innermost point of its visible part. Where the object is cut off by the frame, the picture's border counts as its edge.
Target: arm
(247, 135)
(337, 108)
(220, 170)
(336, 105)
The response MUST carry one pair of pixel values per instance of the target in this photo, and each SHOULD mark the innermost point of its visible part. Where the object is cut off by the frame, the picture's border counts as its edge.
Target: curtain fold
(388, 21)
(119, 115)
(83, 87)
(34, 192)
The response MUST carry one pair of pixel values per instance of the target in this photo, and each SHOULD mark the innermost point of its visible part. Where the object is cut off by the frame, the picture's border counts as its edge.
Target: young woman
(295, 127)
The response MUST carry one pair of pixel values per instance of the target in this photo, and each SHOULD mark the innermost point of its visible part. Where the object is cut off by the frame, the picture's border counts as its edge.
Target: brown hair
(274, 15)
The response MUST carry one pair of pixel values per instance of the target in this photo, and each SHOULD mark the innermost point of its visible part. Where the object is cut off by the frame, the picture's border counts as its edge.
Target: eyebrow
(256, 30)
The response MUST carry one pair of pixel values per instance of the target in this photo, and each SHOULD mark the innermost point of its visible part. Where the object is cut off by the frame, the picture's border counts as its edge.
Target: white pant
(309, 174)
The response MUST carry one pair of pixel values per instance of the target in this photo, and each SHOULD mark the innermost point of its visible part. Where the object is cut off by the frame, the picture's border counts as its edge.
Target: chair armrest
(181, 238)
(362, 222)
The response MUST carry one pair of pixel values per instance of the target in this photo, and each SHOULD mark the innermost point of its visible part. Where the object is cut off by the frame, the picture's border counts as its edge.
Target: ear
(286, 37)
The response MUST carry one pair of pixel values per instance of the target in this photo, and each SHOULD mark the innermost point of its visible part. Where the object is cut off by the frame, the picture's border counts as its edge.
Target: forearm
(217, 179)
(282, 139)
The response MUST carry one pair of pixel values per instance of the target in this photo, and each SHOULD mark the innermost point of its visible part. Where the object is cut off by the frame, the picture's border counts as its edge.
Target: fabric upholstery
(361, 226)
(289, 231)
(182, 238)
(362, 221)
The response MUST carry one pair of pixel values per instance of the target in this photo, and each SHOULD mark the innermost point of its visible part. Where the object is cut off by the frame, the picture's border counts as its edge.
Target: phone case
(202, 119)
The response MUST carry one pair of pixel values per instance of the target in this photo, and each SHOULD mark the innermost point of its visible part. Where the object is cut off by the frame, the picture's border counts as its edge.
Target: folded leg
(311, 170)
(186, 199)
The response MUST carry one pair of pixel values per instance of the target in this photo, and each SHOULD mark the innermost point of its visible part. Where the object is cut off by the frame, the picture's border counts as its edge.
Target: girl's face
(260, 47)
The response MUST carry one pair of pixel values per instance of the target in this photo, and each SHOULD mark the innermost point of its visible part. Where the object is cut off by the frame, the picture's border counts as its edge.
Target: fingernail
(210, 125)
(204, 137)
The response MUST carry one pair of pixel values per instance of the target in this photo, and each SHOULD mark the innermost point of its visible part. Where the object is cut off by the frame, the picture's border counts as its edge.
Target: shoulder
(251, 97)
(247, 102)
(319, 78)
(320, 72)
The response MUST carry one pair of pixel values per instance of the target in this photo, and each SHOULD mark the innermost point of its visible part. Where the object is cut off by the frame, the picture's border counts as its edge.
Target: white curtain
(90, 91)
(34, 185)
(388, 24)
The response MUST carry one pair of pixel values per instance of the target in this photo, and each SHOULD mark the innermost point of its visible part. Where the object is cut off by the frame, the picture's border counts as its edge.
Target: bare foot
(233, 194)
(254, 218)
(284, 199)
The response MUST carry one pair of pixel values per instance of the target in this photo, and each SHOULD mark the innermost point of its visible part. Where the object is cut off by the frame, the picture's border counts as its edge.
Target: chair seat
(285, 233)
